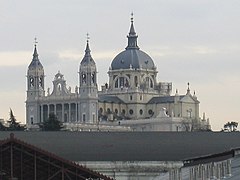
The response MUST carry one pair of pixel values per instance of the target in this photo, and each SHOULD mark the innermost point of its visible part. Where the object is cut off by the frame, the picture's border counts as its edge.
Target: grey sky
(190, 41)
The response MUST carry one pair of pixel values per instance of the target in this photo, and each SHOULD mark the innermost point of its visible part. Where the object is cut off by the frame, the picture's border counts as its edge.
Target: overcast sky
(189, 41)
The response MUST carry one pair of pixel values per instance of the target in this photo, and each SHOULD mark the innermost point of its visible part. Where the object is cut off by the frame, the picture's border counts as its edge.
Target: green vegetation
(230, 126)
(2, 127)
(13, 124)
(52, 124)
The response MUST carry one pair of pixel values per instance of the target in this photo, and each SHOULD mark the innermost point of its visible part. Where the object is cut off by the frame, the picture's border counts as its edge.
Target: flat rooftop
(129, 146)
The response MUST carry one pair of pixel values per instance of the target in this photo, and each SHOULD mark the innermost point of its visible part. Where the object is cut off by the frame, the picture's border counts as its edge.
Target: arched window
(136, 81)
(147, 81)
(101, 110)
(116, 83)
(151, 83)
(84, 78)
(59, 87)
(126, 83)
(121, 81)
(41, 81)
(31, 81)
(131, 97)
(93, 77)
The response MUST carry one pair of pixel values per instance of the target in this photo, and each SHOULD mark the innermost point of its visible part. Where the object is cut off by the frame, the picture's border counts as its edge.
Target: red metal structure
(22, 161)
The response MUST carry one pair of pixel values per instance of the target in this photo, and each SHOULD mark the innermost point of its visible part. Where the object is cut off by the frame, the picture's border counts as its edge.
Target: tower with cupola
(88, 92)
(35, 88)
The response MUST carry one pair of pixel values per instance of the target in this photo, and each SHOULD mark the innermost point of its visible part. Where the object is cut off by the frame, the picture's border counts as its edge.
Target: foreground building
(20, 160)
(132, 93)
(121, 155)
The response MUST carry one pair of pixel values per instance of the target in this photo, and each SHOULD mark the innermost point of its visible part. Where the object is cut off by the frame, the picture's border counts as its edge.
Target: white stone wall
(134, 170)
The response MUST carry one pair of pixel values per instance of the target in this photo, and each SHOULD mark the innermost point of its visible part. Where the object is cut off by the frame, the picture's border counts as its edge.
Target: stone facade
(132, 96)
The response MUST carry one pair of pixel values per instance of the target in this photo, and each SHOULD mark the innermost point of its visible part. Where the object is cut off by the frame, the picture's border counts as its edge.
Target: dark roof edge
(211, 158)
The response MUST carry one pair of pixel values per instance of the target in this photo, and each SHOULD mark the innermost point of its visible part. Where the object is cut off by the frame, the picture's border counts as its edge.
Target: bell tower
(88, 106)
(35, 88)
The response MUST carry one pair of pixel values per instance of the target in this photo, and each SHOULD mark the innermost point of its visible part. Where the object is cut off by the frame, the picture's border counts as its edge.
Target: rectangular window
(131, 97)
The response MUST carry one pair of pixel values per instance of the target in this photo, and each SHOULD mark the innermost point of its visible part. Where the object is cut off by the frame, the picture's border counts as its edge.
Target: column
(228, 168)
(70, 116)
(212, 171)
(76, 112)
(41, 119)
(55, 109)
(191, 173)
(48, 110)
(63, 118)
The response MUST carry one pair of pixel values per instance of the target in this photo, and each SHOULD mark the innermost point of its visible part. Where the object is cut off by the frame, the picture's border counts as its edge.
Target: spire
(188, 89)
(35, 54)
(132, 30)
(132, 36)
(35, 61)
(87, 50)
(87, 57)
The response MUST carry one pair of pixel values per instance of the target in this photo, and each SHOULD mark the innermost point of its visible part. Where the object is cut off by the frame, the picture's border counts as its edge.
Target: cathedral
(132, 97)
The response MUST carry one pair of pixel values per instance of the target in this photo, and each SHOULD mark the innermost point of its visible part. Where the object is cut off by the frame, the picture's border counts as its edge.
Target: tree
(230, 126)
(52, 123)
(13, 124)
(2, 127)
(187, 124)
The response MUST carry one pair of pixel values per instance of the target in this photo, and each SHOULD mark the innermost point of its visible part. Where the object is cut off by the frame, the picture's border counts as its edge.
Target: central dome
(132, 57)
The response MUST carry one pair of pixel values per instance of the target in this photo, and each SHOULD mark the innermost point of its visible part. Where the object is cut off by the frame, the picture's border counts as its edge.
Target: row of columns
(175, 174)
(214, 170)
(68, 109)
